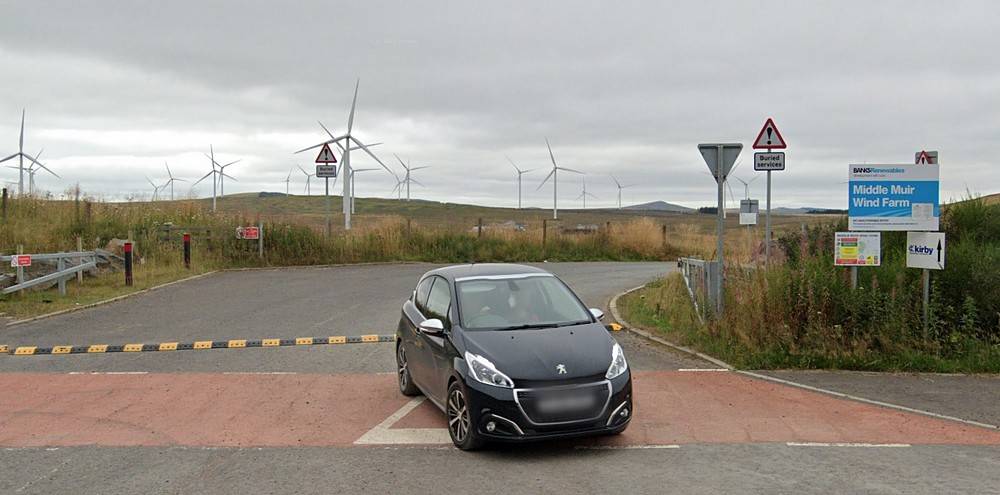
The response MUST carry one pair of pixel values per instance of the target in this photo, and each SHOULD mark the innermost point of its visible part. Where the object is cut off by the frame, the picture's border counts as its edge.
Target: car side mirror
(433, 327)
(598, 314)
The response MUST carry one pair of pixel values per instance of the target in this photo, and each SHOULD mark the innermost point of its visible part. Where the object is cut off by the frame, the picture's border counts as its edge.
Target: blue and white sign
(894, 197)
(925, 250)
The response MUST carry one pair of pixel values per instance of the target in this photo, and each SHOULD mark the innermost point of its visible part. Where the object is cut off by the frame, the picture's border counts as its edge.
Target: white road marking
(847, 444)
(384, 434)
(260, 373)
(625, 447)
(702, 369)
(108, 373)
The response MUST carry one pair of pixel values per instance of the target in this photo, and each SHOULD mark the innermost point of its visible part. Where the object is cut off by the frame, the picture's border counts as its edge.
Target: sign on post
(20, 260)
(893, 197)
(748, 211)
(249, 233)
(326, 155)
(925, 250)
(769, 137)
(326, 171)
(767, 162)
(857, 249)
(720, 163)
(925, 157)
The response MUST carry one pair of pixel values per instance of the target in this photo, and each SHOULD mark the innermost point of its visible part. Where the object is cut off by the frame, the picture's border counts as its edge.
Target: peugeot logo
(561, 369)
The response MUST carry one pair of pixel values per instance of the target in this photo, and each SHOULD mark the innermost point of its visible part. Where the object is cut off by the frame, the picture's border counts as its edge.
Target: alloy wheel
(403, 371)
(458, 416)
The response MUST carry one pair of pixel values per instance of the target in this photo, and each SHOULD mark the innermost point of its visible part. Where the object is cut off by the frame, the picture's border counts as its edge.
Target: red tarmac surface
(252, 410)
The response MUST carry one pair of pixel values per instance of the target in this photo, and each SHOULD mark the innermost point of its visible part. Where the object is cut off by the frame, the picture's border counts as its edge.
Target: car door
(418, 357)
(438, 306)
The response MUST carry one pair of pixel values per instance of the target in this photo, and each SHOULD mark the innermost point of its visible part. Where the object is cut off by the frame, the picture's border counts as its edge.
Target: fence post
(407, 227)
(19, 273)
(187, 250)
(480, 227)
(663, 233)
(260, 239)
(545, 231)
(60, 266)
(128, 263)
(79, 261)
(5, 204)
(87, 211)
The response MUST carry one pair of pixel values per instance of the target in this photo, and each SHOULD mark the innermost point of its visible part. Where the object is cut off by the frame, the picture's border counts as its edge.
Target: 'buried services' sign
(893, 197)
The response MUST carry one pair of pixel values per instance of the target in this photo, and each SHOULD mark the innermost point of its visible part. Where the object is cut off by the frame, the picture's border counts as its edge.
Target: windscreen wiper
(528, 326)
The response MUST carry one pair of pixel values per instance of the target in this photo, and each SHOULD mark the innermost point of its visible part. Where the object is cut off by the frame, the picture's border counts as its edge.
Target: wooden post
(663, 233)
(87, 211)
(5, 204)
(407, 227)
(480, 224)
(79, 261)
(545, 231)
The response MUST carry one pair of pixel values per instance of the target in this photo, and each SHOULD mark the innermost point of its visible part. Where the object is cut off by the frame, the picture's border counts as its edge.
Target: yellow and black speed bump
(197, 345)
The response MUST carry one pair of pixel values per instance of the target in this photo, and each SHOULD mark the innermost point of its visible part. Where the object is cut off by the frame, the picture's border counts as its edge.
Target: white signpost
(767, 139)
(720, 158)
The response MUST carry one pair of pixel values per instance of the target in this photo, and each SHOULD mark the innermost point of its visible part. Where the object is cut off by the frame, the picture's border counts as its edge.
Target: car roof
(484, 270)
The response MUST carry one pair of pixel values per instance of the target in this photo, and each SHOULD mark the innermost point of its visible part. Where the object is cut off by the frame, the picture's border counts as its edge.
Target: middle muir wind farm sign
(894, 197)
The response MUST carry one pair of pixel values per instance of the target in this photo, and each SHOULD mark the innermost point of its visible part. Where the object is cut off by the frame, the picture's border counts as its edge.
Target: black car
(509, 353)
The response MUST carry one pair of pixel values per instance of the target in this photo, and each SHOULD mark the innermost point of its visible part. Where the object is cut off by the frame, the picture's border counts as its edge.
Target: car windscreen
(512, 303)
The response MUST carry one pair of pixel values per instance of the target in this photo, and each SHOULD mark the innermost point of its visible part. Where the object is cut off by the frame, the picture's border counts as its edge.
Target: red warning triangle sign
(326, 155)
(769, 137)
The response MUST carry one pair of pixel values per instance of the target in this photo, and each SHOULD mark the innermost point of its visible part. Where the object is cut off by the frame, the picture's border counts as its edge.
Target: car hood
(535, 354)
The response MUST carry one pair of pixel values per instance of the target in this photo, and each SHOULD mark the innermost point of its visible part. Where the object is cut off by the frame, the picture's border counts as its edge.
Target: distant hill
(660, 206)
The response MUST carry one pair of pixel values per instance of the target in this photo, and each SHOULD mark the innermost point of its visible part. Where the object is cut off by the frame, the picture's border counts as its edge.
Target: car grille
(564, 404)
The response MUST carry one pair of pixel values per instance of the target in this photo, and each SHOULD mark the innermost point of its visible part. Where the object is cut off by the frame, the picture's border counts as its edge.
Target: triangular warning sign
(326, 155)
(769, 137)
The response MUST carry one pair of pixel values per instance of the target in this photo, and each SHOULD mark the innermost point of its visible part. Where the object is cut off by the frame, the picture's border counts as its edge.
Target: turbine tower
(348, 138)
(156, 188)
(620, 187)
(308, 179)
(408, 178)
(585, 194)
(171, 180)
(519, 174)
(21, 155)
(354, 148)
(555, 182)
(746, 185)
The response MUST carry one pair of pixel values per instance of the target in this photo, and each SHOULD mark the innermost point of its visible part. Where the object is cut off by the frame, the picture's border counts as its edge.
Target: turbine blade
(302, 169)
(570, 170)
(354, 103)
(328, 141)
(545, 179)
(203, 178)
(553, 157)
(619, 184)
(36, 162)
(420, 167)
(325, 129)
(20, 143)
(366, 150)
(519, 171)
(230, 163)
(417, 182)
(15, 155)
(168, 170)
(228, 176)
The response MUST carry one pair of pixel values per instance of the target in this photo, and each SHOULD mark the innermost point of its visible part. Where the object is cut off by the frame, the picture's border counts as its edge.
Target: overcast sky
(114, 89)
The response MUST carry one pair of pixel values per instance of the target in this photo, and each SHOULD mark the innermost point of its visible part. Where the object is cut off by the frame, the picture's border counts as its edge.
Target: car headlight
(618, 363)
(484, 371)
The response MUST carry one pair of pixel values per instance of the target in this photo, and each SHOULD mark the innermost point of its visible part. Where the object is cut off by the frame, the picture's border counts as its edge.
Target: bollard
(187, 250)
(128, 264)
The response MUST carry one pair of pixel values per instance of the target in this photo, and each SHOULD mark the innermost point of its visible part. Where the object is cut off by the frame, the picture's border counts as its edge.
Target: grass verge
(664, 307)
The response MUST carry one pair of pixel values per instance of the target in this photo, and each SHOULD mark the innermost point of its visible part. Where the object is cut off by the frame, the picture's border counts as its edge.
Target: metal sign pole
(927, 302)
(720, 179)
(346, 171)
(260, 239)
(854, 278)
(328, 224)
(767, 221)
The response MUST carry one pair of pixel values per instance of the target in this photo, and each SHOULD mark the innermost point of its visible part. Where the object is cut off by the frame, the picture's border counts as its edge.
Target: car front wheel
(406, 385)
(460, 425)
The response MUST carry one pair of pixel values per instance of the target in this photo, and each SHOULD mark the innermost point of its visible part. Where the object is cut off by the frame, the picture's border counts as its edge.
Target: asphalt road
(365, 299)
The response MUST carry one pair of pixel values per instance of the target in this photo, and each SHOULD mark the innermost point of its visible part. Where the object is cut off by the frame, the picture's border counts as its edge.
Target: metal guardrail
(699, 277)
(65, 269)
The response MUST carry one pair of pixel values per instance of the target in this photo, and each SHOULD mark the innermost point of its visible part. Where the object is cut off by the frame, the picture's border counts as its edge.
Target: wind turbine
(348, 137)
(156, 188)
(555, 180)
(308, 179)
(746, 185)
(354, 171)
(222, 173)
(171, 180)
(214, 173)
(21, 155)
(620, 187)
(288, 180)
(32, 170)
(398, 189)
(519, 174)
(585, 194)
(408, 178)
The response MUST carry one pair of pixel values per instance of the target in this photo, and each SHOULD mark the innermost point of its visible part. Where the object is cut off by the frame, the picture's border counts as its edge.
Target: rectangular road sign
(326, 171)
(893, 197)
(857, 249)
(749, 206)
(20, 260)
(768, 161)
(925, 250)
(748, 219)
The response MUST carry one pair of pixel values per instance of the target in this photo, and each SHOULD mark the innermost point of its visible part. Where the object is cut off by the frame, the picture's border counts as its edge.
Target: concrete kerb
(613, 306)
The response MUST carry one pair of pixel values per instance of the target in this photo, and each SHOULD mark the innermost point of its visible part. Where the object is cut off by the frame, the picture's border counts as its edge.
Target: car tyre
(461, 427)
(406, 385)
